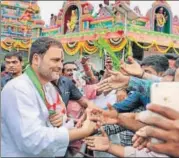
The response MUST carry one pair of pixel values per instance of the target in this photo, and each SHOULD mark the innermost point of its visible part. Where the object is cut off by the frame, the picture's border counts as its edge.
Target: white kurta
(24, 123)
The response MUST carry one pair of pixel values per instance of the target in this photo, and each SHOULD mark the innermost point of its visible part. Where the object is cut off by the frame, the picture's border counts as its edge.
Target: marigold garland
(154, 43)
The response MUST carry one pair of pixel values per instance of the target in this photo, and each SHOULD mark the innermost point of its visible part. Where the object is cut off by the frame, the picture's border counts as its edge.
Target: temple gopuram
(20, 25)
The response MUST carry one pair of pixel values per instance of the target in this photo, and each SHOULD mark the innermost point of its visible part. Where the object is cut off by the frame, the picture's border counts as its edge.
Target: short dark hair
(158, 62)
(41, 46)
(170, 72)
(177, 63)
(69, 62)
(171, 56)
(13, 54)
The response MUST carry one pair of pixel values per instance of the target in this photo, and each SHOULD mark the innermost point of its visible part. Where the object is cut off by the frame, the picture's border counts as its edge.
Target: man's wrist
(109, 150)
(85, 132)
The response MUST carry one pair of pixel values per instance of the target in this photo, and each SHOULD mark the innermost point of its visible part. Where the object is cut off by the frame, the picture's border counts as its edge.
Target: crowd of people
(54, 108)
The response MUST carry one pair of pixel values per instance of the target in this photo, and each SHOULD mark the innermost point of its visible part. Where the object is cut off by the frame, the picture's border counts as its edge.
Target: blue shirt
(68, 90)
(5, 79)
(134, 100)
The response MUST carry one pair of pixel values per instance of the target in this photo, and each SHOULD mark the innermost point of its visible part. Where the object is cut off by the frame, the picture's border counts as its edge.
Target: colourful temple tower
(20, 23)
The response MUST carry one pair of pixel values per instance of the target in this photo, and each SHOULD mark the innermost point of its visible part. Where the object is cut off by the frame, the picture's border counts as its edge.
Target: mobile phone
(165, 94)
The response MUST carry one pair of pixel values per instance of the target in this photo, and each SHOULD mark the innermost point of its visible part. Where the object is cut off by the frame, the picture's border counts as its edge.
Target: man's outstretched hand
(109, 116)
(116, 81)
(165, 128)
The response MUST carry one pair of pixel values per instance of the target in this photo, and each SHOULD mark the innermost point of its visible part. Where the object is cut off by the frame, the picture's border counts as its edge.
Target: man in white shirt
(27, 104)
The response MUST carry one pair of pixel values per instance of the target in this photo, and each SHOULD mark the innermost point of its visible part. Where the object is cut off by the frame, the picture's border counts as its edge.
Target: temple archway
(71, 19)
(166, 8)
(167, 25)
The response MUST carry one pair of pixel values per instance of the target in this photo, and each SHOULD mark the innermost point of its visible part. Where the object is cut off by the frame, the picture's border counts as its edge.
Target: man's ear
(36, 59)
(22, 63)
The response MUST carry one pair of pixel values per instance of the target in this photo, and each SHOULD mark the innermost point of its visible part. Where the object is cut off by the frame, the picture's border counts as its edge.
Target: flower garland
(15, 44)
(72, 50)
(154, 43)
(160, 20)
(90, 48)
(119, 46)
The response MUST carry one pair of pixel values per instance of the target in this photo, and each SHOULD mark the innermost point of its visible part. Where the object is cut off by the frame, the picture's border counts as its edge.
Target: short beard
(49, 76)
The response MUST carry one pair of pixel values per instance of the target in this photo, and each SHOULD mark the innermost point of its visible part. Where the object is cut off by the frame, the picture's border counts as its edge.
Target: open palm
(133, 69)
(99, 143)
(103, 117)
(117, 80)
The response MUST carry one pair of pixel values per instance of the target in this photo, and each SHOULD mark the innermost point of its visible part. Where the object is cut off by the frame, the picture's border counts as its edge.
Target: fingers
(124, 70)
(164, 111)
(131, 60)
(97, 111)
(103, 87)
(113, 72)
(176, 124)
(169, 148)
(103, 132)
(90, 143)
(95, 118)
(88, 113)
(155, 119)
(92, 148)
(89, 138)
(55, 117)
(134, 138)
(138, 142)
(102, 82)
(159, 148)
(154, 132)
(57, 123)
(109, 106)
(122, 62)
(143, 144)
(107, 89)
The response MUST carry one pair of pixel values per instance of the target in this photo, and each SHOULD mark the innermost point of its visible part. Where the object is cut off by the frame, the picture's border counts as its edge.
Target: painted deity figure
(72, 23)
(27, 16)
(161, 19)
(86, 10)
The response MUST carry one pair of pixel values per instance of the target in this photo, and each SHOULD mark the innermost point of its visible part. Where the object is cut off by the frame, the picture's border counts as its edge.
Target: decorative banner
(154, 43)
(91, 47)
(10, 44)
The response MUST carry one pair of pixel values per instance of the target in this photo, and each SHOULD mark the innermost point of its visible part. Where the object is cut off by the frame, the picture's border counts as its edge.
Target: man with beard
(30, 106)
(13, 67)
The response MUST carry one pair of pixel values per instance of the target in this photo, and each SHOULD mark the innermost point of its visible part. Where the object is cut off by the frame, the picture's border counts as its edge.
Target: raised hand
(84, 60)
(89, 125)
(81, 120)
(99, 143)
(133, 69)
(166, 129)
(117, 80)
(103, 117)
(140, 142)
